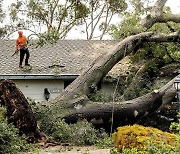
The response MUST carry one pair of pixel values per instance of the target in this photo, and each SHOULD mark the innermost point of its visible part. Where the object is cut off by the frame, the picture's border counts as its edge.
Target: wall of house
(35, 88)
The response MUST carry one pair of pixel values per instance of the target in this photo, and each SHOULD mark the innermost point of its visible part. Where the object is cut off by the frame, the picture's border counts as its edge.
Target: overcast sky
(76, 32)
(173, 4)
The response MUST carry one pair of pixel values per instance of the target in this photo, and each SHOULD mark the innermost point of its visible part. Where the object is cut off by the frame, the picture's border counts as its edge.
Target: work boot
(20, 66)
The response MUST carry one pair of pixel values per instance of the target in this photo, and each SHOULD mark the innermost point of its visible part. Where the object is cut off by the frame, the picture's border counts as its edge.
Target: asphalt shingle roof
(75, 55)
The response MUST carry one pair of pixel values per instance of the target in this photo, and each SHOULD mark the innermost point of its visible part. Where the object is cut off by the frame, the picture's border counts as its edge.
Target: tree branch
(156, 15)
(173, 37)
(156, 10)
(62, 16)
(124, 112)
(165, 18)
(98, 19)
(104, 63)
(52, 13)
(106, 23)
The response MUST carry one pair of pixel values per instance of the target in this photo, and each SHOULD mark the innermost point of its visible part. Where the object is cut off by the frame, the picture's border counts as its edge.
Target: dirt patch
(74, 150)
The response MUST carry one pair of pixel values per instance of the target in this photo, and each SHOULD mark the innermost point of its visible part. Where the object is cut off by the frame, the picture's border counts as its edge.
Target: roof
(64, 57)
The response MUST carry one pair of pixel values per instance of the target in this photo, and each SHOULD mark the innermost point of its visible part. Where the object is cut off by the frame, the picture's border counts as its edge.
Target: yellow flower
(139, 137)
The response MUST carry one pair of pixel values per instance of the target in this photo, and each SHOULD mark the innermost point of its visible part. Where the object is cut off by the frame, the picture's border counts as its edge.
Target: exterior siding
(34, 89)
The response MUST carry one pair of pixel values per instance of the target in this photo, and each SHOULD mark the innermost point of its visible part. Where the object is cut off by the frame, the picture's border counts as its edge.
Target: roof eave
(38, 76)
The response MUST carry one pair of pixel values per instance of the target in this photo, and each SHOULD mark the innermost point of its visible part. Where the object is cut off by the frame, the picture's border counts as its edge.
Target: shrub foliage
(141, 138)
(10, 141)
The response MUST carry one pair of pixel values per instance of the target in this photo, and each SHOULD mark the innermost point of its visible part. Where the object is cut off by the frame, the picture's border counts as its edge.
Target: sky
(173, 4)
(76, 32)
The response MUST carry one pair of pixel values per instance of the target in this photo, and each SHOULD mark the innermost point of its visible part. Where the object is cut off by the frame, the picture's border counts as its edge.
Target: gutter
(38, 76)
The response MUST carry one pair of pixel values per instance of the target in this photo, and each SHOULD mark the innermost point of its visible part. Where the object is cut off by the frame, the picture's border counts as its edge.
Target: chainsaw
(15, 53)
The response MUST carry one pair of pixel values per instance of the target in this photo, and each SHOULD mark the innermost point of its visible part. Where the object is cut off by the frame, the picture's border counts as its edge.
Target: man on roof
(21, 45)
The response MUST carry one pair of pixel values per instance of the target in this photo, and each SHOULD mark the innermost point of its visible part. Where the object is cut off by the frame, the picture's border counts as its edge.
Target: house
(54, 66)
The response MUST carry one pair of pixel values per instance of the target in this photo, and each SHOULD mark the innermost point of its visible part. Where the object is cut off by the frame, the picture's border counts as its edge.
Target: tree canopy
(2, 15)
(52, 20)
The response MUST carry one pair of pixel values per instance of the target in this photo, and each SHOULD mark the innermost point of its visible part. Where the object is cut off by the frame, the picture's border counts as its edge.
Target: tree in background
(101, 14)
(2, 15)
(52, 20)
(49, 20)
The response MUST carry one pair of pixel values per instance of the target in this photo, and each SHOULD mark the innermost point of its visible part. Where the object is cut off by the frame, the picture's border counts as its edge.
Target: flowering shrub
(141, 137)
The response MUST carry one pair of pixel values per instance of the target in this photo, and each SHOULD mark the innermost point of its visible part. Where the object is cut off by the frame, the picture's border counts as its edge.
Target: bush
(10, 141)
(161, 148)
(100, 96)
(58, 131)
(140, 138)
(175, 127)
(53, 126)
(80, 133)
(83, 133)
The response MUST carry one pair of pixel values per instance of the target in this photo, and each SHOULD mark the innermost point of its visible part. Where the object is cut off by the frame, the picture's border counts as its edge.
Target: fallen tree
(76, 93)
(88, 80)
(124, 112)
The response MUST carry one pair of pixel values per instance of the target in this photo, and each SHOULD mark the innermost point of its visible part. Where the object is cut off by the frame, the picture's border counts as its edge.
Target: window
(67, 83)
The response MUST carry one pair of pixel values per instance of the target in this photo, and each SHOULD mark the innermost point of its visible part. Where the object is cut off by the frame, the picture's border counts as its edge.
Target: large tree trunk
(19, 111)
(99, 68)
(88, 80)
(124, 112)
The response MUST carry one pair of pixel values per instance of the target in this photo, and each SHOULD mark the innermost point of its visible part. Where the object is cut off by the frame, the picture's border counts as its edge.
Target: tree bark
(157, 16)
(100, 67)
(88, 80)
(19, 112)
(124, 112)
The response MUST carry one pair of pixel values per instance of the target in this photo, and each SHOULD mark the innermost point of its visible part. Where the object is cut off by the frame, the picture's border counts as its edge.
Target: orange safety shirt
(21, 42)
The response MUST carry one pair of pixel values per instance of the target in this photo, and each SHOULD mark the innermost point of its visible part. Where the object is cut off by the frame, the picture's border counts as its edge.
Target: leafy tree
(157, 55)
(54, 19)
(101, 14)
(131, 24)
(2, 15)
(48, 19)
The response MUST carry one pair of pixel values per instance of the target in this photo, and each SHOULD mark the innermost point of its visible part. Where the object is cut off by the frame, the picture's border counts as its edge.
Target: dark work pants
(24, 51)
